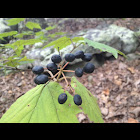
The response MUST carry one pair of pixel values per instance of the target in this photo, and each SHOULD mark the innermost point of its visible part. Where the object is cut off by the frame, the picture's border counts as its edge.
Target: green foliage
(11, 62)
(25, 60)
(14, 21)
(63, 42)
(104, 48)
(20, 35)
(32, 25)
(40, 105)
(56, 34)
(50, 28)
(6, 34)
(26, 42)
(40, 35)
(57, 42)
(18, 50)
(89, 102)
(121, 53)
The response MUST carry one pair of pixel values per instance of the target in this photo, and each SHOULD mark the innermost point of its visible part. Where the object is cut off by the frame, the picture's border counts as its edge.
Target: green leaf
(25, 60)
(14, 21)
(12, 57)
(39, 33)
(20, 35)
(12, 63)
(10, 46)
(56, 34)
(5, 34)
(63, 42)
(121, 53)
(102, 47)
(19, 50)
(32, 25)
(26, 42)
(89, 102)
(77, 39)
(50, 28)
(40, 105)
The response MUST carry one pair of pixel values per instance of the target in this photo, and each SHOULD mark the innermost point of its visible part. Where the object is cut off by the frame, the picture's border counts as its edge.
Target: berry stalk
(65, 78)
(67, 70)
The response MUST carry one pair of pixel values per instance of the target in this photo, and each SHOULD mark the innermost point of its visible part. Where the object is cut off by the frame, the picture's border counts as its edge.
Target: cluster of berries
(53, 67)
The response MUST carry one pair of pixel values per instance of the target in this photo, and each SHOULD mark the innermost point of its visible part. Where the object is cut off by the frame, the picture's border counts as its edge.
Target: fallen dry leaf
(136, 111)
(116, 77)
(23, 72)
(106, 92)
(131, 120)
(10, 91)
(131, 69)
(118, 82)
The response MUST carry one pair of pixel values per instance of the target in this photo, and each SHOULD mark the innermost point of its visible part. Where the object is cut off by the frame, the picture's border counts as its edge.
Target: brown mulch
(117, 86)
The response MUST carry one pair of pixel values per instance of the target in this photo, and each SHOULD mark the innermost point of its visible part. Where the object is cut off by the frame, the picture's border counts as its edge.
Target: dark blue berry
(41, 79)
(77, 99)
(69, 57)
(52, 67)
(79, 72)
(89, 68)
(62, 98)
(56, 58)
(37, 69)
(79, 54)
(87, 57)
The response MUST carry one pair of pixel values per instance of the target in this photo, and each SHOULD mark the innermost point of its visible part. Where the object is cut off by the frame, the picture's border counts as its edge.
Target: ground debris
(116, 85)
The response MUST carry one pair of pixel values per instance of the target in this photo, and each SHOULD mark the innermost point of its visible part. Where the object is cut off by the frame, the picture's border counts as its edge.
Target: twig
(49, 73)
(59, 73)
(65, 65)
(65, 79)
(55, 75)
(72, 43)
(68, 71)
(71, 89)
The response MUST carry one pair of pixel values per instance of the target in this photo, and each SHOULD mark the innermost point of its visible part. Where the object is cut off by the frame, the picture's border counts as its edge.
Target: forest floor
(116, 85)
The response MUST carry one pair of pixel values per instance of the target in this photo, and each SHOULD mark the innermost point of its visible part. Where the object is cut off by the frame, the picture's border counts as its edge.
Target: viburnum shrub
(49, 102)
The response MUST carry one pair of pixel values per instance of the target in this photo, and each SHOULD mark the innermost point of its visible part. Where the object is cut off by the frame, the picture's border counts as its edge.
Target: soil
(116, 85)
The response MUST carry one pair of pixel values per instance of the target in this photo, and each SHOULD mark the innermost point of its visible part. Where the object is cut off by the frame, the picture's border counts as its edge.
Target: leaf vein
(36, 104)
(54, 105)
